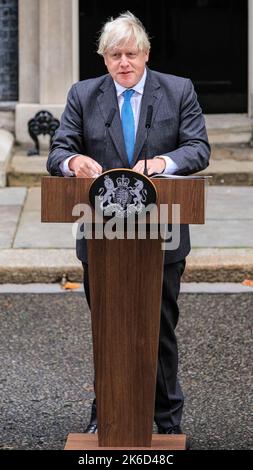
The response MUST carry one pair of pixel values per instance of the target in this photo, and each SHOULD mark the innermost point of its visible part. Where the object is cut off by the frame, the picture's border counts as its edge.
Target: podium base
(159, 442)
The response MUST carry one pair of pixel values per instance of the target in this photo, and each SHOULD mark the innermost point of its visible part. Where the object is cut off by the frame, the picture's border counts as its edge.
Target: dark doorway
(205, 40)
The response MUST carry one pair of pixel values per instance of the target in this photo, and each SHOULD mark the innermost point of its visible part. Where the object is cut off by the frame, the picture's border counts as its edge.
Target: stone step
(229, 165)
(232, 152)
(27, 172)
(229, 129)
(230, 172)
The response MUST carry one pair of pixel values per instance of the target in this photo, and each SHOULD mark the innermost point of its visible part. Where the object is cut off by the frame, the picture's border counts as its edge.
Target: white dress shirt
(136, 98)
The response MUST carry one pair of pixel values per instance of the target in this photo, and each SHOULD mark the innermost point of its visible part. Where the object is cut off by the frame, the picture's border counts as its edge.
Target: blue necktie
(127, 118)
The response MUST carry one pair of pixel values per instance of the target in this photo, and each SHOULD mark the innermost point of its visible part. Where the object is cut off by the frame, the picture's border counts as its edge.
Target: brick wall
(9, 50)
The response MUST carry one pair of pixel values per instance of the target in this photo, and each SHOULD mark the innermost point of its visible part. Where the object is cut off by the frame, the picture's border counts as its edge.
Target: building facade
(46, 45)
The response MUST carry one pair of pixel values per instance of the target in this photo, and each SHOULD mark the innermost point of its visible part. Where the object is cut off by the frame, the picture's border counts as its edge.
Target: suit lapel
(108, 100)
(151, 96)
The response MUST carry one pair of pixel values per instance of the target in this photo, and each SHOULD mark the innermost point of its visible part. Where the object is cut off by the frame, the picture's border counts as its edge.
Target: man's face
(126, 64)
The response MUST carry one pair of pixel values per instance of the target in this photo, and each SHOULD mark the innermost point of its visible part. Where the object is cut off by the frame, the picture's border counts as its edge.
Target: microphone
(108, 123)
(149, 117)
(147, 126)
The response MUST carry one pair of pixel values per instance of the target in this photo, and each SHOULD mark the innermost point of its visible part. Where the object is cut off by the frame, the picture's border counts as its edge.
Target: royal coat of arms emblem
(122, 193)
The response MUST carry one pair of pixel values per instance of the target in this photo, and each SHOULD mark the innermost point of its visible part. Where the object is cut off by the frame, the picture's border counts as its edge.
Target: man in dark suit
(177, 144)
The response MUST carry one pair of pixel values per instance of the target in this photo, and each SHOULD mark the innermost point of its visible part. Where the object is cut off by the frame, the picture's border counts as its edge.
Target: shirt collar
(139, 87)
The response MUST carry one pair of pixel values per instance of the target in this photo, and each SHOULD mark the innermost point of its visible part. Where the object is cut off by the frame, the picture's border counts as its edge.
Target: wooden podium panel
(159, 442)
(60, 195)
(125, 287)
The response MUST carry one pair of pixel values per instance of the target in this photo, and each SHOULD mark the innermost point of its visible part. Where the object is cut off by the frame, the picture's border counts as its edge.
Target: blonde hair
(120, 30)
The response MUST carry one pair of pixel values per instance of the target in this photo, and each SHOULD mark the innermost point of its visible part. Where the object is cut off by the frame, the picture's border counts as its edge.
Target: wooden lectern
(125, 285)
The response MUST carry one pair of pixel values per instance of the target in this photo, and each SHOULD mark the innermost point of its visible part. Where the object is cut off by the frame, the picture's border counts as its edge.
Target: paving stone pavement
(229, 220)
(223, 246)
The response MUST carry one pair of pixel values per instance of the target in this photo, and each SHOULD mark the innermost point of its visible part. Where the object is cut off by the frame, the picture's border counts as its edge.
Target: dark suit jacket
(177, 130)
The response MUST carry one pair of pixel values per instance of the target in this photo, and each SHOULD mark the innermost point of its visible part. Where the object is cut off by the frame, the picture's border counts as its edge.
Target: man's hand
(154, 165)
(84, 166)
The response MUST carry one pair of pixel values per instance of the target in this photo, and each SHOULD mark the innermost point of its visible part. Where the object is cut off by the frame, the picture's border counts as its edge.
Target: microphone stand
(147, 126)
(107, 125)
(145, 171)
